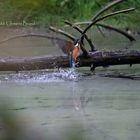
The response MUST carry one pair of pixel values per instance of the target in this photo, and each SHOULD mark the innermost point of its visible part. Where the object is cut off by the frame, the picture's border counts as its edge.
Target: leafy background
(46, 12)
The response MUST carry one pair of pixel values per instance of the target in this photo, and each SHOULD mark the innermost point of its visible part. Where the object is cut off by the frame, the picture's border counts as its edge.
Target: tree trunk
(96, 59)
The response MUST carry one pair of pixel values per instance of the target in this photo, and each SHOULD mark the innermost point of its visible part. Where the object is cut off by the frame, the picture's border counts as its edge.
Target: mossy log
(95, 59)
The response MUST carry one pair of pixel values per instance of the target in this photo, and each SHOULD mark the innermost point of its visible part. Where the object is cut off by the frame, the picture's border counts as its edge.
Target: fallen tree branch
(96, 59)
(32, 63)
(108, 58)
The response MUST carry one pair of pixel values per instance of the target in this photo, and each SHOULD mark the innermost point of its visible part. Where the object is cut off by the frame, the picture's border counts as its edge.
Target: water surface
(51, 100)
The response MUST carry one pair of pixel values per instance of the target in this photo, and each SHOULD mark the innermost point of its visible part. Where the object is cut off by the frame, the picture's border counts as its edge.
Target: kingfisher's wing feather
(65, 45)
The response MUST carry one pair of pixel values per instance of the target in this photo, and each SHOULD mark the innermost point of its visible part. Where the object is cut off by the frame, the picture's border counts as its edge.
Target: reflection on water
(51, 101)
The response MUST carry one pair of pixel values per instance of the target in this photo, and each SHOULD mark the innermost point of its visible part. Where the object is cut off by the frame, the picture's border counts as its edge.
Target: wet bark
(95, 59)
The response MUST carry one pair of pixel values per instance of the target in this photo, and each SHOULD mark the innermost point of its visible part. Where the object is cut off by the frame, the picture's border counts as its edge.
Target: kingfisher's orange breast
(75, 53)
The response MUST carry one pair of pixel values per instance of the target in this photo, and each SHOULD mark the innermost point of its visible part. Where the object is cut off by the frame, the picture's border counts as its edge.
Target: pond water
(90, 104)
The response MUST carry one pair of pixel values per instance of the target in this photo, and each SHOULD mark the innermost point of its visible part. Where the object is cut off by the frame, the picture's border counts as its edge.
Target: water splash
(44, 76)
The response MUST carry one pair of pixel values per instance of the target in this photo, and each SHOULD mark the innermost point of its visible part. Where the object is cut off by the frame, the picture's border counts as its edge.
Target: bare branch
(106, 16)
(65, 45)
(29, 35)
(115, 13)
(62, 32)
(110, 5)
(130, 37)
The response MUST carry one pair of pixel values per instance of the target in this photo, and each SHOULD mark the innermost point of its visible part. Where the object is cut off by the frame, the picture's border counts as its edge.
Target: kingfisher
(74, 53)
(71, 49)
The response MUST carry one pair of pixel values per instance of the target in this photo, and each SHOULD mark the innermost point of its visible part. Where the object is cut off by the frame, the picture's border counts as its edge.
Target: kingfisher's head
(77, 43)
(80, 40)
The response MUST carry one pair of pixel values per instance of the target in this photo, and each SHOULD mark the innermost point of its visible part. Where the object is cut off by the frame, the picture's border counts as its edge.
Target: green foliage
(26, 8)
(54, 11)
